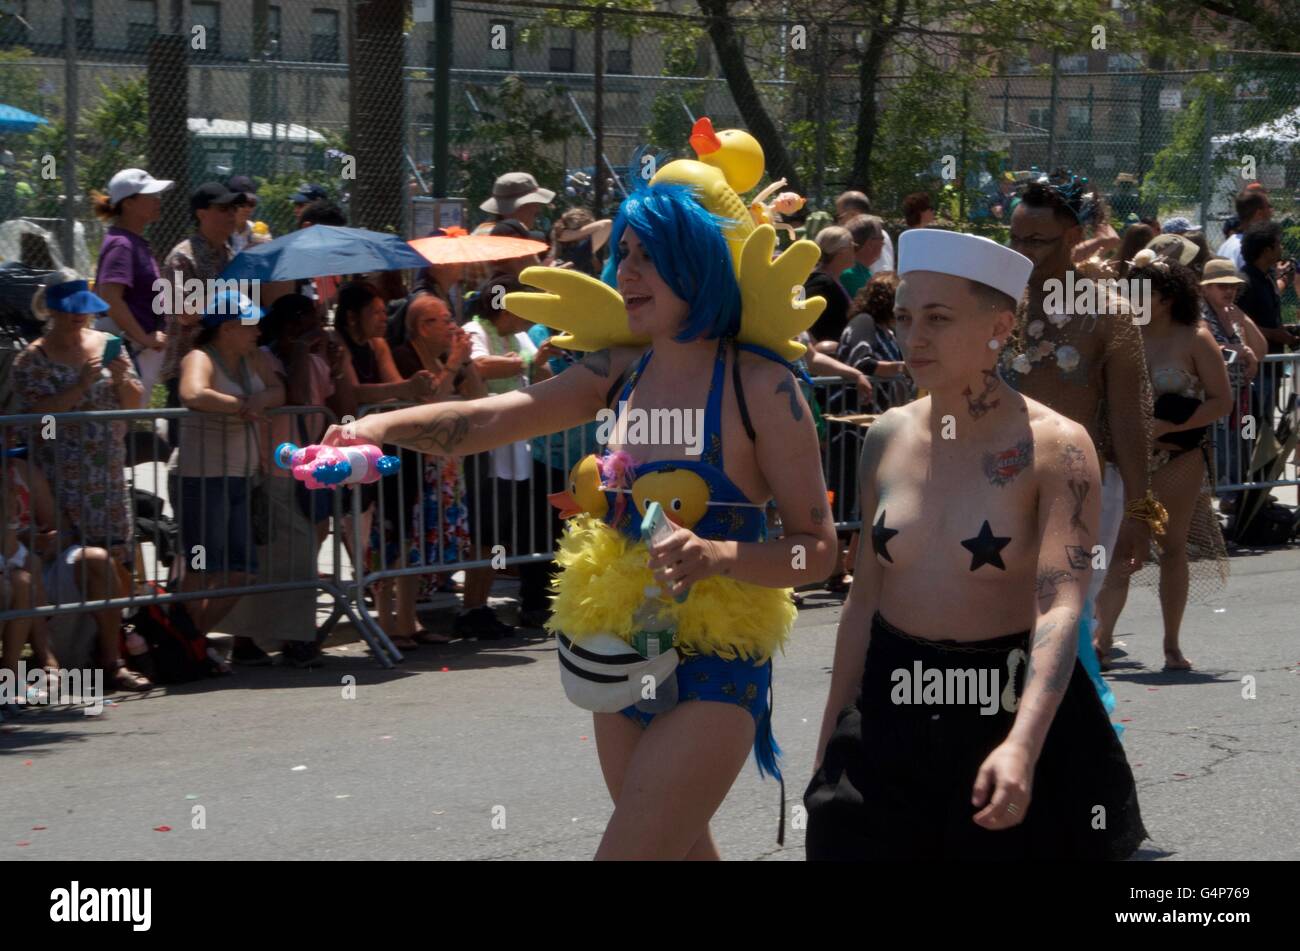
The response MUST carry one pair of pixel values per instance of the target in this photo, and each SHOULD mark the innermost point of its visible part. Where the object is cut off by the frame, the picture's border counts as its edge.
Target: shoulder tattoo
(598, 362)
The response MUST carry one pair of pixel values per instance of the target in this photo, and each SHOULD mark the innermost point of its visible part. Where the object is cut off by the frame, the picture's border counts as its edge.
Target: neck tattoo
(978, 406)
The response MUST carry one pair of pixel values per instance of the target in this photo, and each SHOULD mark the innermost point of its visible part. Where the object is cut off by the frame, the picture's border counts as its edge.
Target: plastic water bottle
(654, 637)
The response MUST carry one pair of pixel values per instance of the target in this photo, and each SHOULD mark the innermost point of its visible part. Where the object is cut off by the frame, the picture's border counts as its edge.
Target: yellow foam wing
(773, 309)
(589, 312)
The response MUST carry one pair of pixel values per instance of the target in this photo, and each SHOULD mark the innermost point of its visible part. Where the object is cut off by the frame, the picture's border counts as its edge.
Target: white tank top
(220, 444)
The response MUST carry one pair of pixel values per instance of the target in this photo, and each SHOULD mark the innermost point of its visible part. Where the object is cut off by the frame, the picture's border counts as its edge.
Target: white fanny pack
(604, 674)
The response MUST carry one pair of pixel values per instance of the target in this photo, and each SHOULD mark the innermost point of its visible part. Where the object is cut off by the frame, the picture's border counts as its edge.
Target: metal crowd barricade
(397, 520)
(841, 447)
(205, 477)
(1254, 445)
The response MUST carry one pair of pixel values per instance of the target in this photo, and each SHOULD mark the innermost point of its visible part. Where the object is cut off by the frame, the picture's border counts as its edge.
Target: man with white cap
(978, 499)
(126, 271)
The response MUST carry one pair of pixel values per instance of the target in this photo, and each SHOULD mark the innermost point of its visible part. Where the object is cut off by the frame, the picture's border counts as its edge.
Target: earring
(994, 343)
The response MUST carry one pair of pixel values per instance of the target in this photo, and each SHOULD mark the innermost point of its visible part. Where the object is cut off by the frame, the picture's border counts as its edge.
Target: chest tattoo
(1001, 467)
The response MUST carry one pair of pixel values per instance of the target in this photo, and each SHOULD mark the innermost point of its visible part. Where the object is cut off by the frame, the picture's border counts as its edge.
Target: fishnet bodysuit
(1107, 391)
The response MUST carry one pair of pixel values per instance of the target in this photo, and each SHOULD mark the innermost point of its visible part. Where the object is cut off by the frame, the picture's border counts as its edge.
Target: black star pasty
(985, 548)
(880, 537)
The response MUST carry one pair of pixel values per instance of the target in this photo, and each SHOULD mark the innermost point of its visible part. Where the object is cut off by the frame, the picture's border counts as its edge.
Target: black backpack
(1272, 526)
(177, 653)
(152, 524)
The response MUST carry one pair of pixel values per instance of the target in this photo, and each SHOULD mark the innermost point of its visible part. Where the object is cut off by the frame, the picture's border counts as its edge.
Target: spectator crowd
(350, 343)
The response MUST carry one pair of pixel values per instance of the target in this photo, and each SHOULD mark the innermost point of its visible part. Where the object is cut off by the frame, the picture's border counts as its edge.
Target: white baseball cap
(134, 181)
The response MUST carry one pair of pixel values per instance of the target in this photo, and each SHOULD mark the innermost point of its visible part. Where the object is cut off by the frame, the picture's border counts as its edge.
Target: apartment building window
(324, 36)
(13, 17)
(1123, 62)
(562, 44)
(1127, 13)
(1073, 64)
(274, 42)
(1040, 118)
(501, 45)
(208, 16)
(141, 24)
(85, 24)
(618, 54)
(1079, 120)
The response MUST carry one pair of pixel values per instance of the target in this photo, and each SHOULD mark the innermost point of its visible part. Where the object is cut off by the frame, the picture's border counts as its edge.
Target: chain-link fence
(345, 94)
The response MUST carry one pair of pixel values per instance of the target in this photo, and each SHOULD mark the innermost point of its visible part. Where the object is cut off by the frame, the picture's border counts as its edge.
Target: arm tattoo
(1040, 635)
(1001, 467)
(818, 516)
(787, 386)
(1049, 583)
(1059, 678)
(1079, 557)
(977, 406)
(442, 436)
(598, 362)
(1078, 484)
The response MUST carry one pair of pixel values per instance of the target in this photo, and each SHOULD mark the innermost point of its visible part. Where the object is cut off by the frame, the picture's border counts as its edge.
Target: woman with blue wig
(669, 768)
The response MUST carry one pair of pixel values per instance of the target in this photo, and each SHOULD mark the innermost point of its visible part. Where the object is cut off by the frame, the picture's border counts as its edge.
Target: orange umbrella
(458, 247)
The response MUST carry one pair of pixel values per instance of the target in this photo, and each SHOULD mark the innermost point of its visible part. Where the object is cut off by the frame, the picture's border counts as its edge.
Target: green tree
(1272, 85)
(670, 124)
(113, 134)
(20, 81)
(511, 132)
(924, 123)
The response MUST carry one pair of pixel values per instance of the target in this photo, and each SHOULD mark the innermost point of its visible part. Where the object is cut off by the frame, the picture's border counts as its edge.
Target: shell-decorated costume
(604, 561)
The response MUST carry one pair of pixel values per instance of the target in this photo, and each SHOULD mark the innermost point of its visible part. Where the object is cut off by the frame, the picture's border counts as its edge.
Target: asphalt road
(423, 760)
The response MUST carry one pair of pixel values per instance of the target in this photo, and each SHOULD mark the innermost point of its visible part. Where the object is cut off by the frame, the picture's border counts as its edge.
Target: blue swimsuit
(731, 515)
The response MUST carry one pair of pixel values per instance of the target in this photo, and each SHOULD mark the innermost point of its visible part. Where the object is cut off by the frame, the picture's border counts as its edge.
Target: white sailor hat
(964, 255)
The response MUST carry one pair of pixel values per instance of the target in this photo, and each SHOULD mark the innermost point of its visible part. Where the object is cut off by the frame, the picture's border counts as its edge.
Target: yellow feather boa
(604, 580)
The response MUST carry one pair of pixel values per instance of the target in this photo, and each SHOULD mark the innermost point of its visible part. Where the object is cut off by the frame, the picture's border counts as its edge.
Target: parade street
(470, 751)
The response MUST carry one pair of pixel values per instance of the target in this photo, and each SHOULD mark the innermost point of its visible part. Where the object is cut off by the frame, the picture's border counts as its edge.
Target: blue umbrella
(13, 119)
(320, 250)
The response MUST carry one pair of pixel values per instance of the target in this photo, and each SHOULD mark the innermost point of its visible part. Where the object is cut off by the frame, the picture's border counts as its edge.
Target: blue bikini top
(730, 513)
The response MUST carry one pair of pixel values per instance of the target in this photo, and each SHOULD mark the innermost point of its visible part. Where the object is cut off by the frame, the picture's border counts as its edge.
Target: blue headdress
(1075, 192)
(686, 245)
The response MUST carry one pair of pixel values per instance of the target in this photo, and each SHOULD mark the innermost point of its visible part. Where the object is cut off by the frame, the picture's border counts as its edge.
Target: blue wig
(686, 245)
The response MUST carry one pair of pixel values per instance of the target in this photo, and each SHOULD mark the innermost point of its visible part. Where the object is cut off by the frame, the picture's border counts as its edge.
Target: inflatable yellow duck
(583, 493)
(592, 315)
(734, 152)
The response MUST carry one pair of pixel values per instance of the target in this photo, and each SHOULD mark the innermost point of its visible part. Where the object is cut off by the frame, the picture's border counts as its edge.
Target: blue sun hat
(231, 305)
(74, 297)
